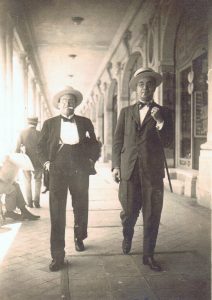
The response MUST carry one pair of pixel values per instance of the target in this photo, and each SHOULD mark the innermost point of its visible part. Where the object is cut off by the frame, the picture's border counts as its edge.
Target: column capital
(109, 68)
(105, 85)
(119, 67)
(99, 86)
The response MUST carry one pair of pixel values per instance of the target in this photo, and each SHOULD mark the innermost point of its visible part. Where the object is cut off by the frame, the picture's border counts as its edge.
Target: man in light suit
(68, 149)
(143, 129)
(27, 142)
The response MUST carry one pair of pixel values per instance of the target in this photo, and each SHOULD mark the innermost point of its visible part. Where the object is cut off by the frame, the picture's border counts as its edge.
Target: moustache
(69, 107)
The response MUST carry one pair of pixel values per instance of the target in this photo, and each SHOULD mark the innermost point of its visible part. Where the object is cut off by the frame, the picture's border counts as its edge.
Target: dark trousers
(15, 198)
(140, 192)
(60, 181)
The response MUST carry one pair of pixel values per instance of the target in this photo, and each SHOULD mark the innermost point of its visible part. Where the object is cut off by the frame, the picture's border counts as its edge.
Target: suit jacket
(29, 138)
(49, 142)
(133, 141)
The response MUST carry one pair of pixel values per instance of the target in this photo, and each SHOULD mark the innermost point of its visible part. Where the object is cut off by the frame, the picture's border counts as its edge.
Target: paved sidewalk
(102, 272)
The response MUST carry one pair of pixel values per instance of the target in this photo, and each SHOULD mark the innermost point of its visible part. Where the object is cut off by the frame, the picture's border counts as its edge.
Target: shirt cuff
(159, 126)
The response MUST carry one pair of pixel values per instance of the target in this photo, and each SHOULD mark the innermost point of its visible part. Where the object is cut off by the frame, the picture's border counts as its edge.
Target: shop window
(200, 106)
(193, 111)
(185, 122)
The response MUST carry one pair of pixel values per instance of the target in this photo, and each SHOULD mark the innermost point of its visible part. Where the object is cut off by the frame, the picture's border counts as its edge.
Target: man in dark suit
(143, 129)
(68, 149)
(27, 143)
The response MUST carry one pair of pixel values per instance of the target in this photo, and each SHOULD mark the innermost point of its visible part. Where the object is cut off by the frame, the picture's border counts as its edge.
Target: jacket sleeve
(118, 140)
(91, 143)
(42, 146)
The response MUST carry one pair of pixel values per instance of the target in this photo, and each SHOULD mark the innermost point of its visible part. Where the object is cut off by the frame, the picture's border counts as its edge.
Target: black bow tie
(71, 120)
(143, 104)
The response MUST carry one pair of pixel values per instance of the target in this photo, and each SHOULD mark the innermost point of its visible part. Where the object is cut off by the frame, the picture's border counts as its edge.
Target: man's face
(67, 104)
(145, 89)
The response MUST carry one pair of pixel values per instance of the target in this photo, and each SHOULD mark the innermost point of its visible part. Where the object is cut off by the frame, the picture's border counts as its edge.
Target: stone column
(39, 110)
(100, 118)
(31, 92)
(34, 97)
(123, 91)
(9, 111)
(107, 129)
(24, 65)
(42, 119)
(2, 77)
(205, 161)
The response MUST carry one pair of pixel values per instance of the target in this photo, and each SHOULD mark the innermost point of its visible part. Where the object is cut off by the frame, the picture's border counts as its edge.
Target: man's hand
(156, 114)
(116, 175)
(47, 165)
(92, 167)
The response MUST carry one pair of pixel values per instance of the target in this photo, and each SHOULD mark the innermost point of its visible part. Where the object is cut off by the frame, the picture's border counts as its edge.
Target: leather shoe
(149, 260)
(36, 204)
(30, 204)
(56, 265)
(126, 245)
(79, 246)
(28, 215)
(13, 215)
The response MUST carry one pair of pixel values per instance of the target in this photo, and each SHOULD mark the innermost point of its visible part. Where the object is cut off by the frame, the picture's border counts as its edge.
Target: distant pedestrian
(27, 142)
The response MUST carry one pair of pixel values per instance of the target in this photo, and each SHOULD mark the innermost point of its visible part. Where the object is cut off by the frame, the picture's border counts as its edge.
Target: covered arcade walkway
(102, 272)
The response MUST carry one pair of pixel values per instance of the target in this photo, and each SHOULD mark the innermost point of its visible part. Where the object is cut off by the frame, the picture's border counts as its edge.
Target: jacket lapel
(57, 129)
(135, 114)
(148, 115)
(147, 118)
(79, 126)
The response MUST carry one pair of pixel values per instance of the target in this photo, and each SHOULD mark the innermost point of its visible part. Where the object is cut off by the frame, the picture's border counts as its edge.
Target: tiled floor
(102, 271)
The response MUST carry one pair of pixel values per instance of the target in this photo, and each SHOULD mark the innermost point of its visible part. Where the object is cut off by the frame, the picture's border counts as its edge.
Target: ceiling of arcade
(71, 54)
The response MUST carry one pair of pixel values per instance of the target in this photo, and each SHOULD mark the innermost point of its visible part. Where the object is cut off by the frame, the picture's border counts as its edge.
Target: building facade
(174, 38)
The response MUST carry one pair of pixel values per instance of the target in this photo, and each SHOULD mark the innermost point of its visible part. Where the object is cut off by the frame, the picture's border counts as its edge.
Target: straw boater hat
(142, 73)
(32, 120)
(67, 91)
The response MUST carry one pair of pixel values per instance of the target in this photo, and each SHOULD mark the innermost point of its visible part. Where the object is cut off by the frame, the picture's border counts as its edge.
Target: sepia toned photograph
(105, 149)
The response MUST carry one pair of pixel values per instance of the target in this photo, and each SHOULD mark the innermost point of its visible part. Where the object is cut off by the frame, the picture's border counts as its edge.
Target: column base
(204, 184)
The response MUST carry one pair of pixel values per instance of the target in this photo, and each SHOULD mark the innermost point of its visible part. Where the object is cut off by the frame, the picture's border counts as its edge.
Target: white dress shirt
(69, 133)
(143, 111)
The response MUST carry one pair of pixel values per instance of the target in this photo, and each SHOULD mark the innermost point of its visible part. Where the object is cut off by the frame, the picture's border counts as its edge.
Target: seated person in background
(14, 199)
(13, 195)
